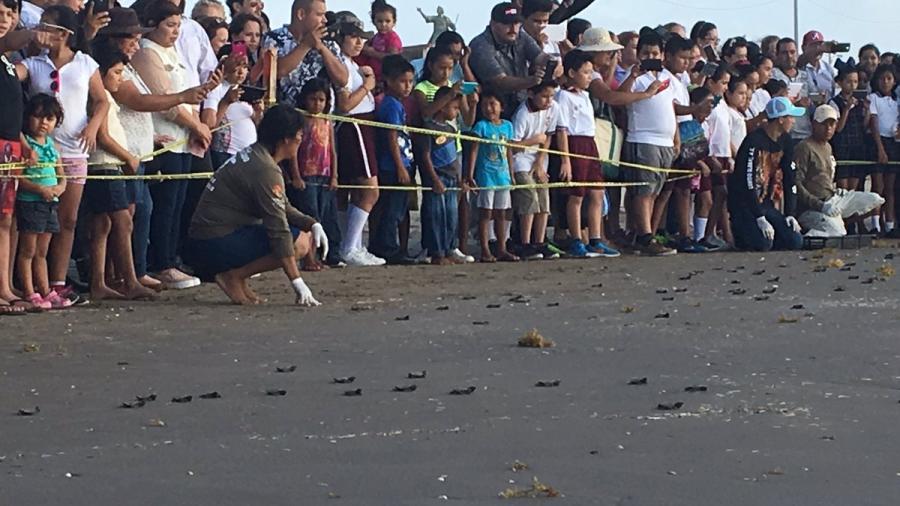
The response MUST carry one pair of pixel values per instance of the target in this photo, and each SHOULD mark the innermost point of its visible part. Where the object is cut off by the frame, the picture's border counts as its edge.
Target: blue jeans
(140, 236)
(318, 201)
(440, 217)
(168, 201)
(392, 207)
(748, 236)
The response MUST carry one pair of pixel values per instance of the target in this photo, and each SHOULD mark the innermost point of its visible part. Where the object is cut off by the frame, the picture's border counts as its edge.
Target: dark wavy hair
(44, 106)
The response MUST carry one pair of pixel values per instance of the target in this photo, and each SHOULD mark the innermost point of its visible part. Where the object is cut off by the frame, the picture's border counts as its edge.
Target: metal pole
(796, 21)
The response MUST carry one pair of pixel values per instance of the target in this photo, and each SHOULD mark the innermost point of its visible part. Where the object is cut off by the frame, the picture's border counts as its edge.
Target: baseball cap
(825, 112)
(598, 39)
(813, 36)
(506, 13)
(353, 29)
(780, 107)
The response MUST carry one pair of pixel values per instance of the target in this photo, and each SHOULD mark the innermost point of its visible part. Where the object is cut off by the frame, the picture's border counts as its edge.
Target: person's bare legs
(61, 244)
(235, 282)
(526, 222)
(539, 228)
(501, 219)
(890, 213)
(595, 214)
(484, 234)
(659, 209)
(613, 224)
(6, 262)
(25, 262)
(643, 213)
(123, 259)
(683, 208)
(101, 225)
(573, 216)
(463, 220)
(715, 212)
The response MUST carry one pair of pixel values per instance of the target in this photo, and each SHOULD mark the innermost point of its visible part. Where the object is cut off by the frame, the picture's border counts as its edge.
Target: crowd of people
(531, 143)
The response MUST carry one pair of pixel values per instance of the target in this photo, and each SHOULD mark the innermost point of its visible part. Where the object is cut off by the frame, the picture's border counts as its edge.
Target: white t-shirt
(719, 131)
(367, 105)
(241, 130)
(528, 123)
(195, 52)
(738, 127)
(30, 16)
(758, 102)
(682, 95)
(576, 113)
(116, 131)
(139, 125)
(74, 91)
(886, 110)
(652, 121)
(821, 80)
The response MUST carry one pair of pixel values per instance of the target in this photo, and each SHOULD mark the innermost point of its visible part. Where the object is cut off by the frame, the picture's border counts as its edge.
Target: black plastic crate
(846, 242)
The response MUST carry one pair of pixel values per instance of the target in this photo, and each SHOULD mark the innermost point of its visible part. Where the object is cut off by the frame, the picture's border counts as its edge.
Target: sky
(870, 21)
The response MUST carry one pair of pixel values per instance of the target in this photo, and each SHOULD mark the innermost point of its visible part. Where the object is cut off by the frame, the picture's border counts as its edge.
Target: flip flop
(12, 310)
(29, 307)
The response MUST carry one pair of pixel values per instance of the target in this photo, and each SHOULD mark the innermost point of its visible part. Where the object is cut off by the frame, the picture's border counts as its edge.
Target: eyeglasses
(54, 83)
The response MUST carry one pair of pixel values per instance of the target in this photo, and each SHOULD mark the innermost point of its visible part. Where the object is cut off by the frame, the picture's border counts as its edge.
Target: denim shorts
(37, 217)
(214, 256)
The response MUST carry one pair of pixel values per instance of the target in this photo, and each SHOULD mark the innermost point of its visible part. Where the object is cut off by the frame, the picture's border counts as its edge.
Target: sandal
(490, 259)
(29, 307)
(12, 310)
(508, 257)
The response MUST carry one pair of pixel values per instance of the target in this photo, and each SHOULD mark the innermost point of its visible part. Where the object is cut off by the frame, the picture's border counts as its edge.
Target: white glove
(794, 224)
(320, 239)
(304, 294)
(766, 228)
(830, 208)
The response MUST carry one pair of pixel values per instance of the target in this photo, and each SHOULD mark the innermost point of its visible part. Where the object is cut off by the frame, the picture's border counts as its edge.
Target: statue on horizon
(441, 23)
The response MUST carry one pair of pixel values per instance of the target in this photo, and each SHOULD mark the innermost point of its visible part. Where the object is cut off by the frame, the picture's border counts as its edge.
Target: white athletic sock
(888, 226)
(508, 227)
(491, 233)
(356, 222)
(699, 228)
(873, 224)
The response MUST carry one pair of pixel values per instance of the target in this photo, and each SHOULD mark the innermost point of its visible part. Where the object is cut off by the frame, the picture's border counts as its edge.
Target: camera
(837, 47)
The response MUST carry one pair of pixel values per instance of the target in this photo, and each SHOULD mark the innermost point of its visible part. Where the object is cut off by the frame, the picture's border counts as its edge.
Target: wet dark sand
(799, 412)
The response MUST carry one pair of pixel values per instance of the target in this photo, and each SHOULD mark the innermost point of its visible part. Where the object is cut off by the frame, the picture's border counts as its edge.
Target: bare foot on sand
(249, 293)
(105, 293)
(233, 289)
(139, 292)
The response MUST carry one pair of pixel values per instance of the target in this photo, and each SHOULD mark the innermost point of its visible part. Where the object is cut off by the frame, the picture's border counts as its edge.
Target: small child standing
(223, 106)
(883, 124)
(576, 130)
(848, 142)
(694, 155)
(534, 123)
(441, 171)
(37, 202)
(386, 42)
(489, 167)
(394, 151)
(107, 199)
(313, 189)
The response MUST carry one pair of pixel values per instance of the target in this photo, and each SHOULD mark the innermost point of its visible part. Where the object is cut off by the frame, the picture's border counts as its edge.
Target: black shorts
(209, 257)
(37, 217)
(105, 195)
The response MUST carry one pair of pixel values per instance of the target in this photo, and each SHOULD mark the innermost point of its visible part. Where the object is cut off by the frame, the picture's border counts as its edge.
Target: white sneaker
(459, 255)
(177, 280)
(375, 259)
(423, 258)
(358, 258)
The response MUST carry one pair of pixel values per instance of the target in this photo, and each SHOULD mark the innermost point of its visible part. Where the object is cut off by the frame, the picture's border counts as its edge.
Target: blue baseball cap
(780, 107)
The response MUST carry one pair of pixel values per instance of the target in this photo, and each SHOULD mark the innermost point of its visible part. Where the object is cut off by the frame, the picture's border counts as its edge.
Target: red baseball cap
(813, 36)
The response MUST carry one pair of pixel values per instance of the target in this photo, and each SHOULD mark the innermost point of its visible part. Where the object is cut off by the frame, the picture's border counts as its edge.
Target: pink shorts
(76, 169)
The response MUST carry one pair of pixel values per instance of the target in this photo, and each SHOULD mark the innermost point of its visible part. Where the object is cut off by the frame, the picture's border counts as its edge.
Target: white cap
(598, 39)
(825, 112)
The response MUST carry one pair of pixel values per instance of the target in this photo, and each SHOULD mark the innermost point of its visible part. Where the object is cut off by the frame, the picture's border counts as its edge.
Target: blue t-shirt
(43, 176)
(392, 111)
(491, 166)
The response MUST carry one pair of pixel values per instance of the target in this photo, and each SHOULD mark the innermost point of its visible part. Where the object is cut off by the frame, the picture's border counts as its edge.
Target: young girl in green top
(37, 202)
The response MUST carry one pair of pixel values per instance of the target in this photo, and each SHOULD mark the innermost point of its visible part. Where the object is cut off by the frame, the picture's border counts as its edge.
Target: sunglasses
(54, 83)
